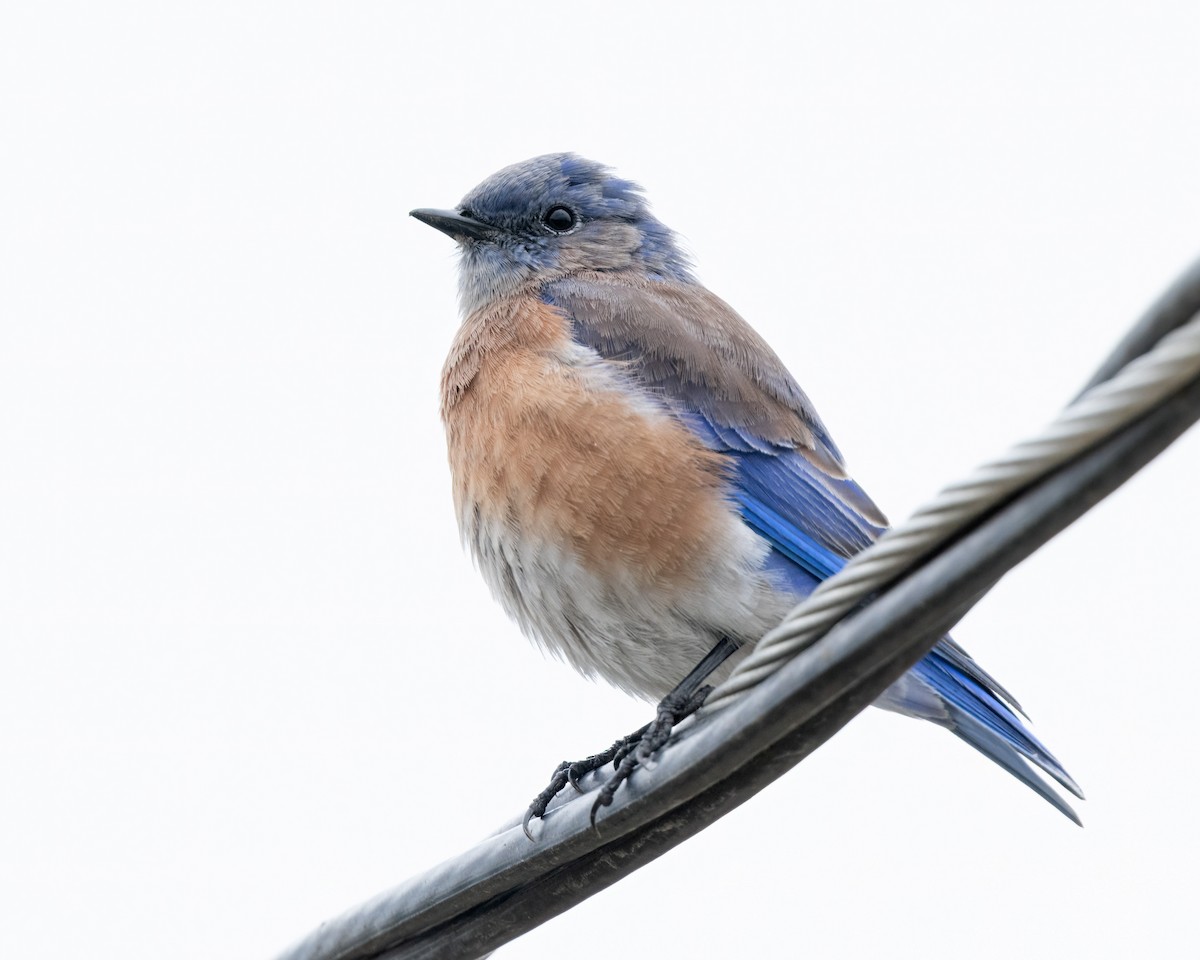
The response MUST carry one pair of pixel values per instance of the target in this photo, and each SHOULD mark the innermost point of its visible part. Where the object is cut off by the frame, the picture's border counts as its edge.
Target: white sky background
(248, 679)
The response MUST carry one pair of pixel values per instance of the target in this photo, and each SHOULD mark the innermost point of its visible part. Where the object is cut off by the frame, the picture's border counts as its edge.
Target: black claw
(537, 808)
(582, 768)
(626, 755)
(650, 739)
(608, 792)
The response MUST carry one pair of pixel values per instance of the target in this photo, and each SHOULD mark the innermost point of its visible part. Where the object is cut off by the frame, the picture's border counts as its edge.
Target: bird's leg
(629, 752)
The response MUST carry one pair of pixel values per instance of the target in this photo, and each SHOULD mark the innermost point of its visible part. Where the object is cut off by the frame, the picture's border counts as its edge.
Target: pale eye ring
(559, 219)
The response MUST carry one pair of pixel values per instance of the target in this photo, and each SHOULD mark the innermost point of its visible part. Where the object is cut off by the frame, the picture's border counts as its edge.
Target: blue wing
(688, 349)
(777, 494)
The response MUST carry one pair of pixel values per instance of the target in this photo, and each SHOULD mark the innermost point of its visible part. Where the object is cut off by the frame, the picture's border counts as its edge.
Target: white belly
(639, 635)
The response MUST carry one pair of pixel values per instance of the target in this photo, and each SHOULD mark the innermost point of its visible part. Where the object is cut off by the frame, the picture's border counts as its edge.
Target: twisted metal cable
(1142, 383)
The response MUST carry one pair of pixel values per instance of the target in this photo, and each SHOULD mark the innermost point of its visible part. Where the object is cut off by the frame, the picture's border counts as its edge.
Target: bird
(642, 483)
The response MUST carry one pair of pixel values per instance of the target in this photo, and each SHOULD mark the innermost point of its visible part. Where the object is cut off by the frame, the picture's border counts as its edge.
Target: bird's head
(547, 218)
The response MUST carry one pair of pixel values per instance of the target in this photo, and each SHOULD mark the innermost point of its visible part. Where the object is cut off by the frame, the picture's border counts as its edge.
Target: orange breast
(551, 442)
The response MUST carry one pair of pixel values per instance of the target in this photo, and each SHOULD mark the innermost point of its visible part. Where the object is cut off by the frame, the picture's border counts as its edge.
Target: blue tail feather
(1000, 751)
(980, 718)
(959, 694)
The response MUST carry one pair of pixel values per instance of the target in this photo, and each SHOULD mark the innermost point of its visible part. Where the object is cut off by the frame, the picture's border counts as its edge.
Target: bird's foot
(625, 755)
(571, 771)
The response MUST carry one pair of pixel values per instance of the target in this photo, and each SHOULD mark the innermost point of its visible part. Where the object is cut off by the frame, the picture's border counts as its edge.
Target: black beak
(456, 225)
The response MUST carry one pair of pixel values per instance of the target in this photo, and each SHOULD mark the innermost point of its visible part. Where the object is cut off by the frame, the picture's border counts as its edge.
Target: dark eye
(559, 219)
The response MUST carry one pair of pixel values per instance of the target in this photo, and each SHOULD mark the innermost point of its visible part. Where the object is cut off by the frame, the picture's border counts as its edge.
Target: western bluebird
(638, 476)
